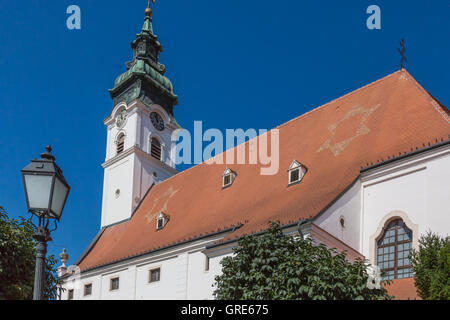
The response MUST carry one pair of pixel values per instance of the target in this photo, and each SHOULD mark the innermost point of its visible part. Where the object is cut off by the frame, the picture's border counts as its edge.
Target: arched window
(120, 143)
(393, 249)
(155, 149)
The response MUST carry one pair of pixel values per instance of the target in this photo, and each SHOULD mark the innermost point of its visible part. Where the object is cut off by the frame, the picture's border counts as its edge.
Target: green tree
(275, 266)
(431, 266)
(17, 261)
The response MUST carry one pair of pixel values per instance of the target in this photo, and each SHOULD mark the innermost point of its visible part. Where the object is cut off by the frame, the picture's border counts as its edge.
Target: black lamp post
(46, 192)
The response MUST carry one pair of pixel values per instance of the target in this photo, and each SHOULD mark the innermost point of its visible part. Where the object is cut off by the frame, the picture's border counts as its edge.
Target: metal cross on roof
(402, 51)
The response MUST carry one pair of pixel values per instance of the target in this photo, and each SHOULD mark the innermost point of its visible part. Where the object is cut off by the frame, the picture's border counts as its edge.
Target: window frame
(296, 167)
(228, 173)
(111, 280)
(162, 217)
(207, 263)
(70, 294)
(160, 223)
(227, 180)
(84, 289)
(291, 172)
(150, 272)
(399, 223)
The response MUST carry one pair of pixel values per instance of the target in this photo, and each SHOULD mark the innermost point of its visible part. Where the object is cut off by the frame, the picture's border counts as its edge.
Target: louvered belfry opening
(120, 144)
(156, 149)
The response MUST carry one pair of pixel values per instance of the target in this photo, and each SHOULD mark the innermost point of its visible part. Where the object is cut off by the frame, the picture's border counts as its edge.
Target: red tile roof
(390, 116)
(403, 289)
(320, 236)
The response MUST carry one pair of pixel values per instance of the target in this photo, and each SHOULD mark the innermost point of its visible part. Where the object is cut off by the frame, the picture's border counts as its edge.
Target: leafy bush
(431, 266)
(278, 267)
(17, 261)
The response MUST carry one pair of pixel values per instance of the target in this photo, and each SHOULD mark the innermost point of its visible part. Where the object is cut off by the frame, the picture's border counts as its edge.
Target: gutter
(232, 229)
(298, 224)
(416, 152)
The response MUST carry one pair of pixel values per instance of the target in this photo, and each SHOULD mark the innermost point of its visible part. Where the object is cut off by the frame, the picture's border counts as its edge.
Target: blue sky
(234, 64)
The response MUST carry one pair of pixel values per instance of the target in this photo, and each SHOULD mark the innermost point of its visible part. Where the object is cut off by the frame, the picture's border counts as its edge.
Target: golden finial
(148, 11)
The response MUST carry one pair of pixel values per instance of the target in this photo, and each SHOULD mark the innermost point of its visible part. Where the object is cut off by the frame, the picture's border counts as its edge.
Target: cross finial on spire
(402, 51)
(148, 11)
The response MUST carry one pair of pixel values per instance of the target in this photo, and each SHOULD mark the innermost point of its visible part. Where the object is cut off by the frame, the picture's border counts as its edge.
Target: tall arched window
(155, 149)
(393, 249)
(120, 143)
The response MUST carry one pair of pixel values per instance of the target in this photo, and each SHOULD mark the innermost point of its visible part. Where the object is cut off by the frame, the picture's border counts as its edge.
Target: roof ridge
(341, 97)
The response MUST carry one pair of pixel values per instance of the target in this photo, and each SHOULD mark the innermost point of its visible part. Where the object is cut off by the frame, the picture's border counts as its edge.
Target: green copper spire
(148, 19)
(147, 27)
(144, 78)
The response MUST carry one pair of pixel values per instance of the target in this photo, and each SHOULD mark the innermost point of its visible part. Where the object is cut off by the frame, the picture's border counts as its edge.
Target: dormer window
(161, 220)
(120, 143)
(228, 178)
(296, 172)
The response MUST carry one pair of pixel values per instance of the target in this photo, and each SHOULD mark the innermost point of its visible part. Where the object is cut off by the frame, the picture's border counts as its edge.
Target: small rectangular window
(88, 289)
(160, 223)
(206, 263)
(70, 294)
(226, 180)
(295, 175)
(162, 220)
(114, 285)
(155, 275)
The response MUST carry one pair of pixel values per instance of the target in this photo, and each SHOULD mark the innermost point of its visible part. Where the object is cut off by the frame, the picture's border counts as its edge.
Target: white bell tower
(139, 149)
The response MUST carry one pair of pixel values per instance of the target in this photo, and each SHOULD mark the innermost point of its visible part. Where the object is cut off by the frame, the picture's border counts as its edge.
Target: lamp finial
(48, 155)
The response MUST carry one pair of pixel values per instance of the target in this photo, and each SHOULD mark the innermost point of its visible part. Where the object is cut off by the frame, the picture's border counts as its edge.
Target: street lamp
(46, 192)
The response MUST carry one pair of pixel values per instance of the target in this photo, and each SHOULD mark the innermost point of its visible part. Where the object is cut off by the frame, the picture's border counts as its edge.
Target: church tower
(139, 149)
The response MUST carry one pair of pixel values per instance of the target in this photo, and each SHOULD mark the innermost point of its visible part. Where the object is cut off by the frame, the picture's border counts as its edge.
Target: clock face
(121, 118)
(157, 121)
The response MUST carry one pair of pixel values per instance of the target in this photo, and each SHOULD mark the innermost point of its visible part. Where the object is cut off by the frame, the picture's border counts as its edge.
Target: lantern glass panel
(38, 190)
(59, 197)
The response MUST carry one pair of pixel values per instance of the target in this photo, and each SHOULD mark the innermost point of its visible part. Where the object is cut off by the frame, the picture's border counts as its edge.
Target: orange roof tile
(390, 116)
(403, 289)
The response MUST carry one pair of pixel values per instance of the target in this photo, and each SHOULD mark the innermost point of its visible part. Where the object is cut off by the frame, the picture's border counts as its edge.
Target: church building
(367, 173)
